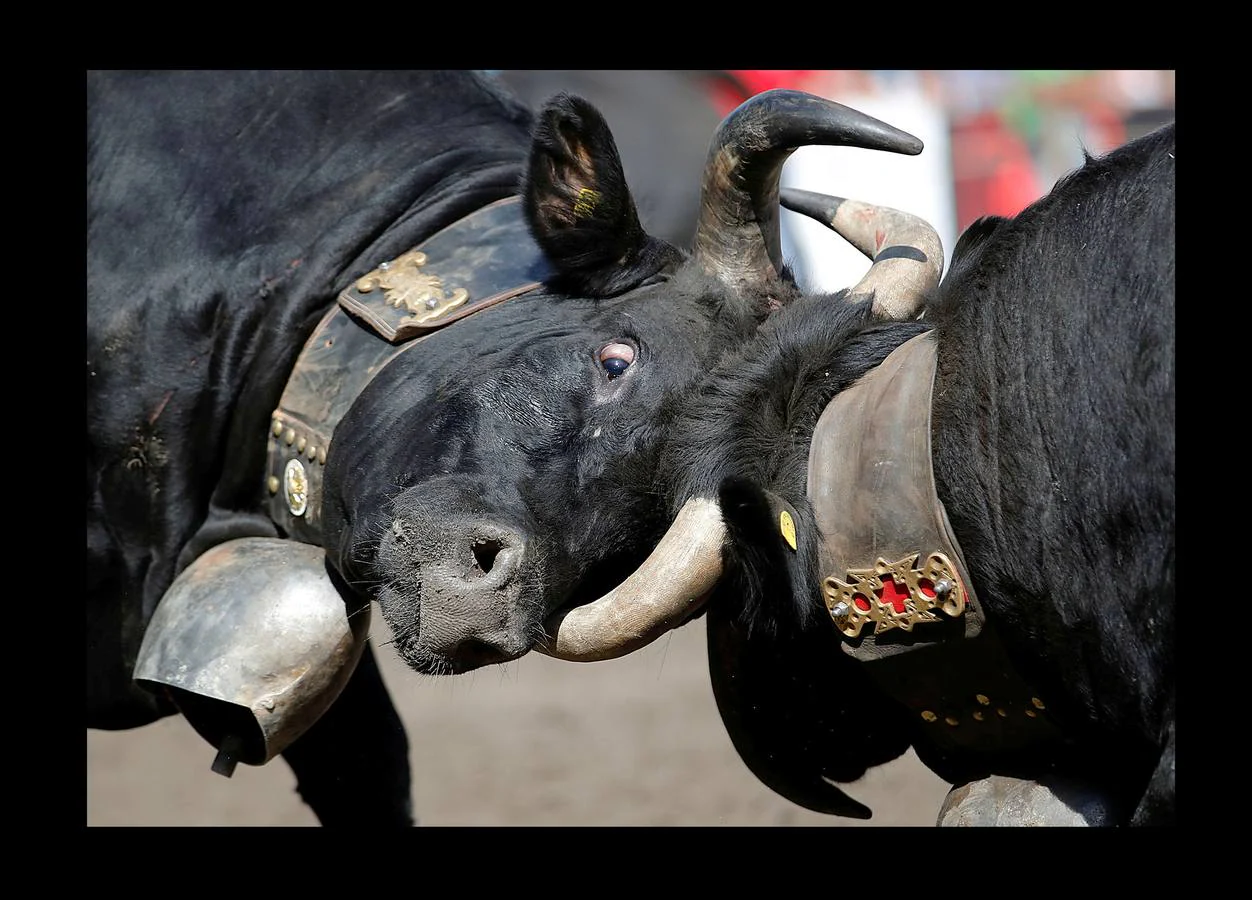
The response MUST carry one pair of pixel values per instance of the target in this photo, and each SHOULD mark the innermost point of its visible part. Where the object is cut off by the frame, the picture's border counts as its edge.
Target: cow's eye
(616, 358)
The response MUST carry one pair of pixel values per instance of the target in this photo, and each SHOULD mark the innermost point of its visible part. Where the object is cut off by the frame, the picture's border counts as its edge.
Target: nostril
(485, 553)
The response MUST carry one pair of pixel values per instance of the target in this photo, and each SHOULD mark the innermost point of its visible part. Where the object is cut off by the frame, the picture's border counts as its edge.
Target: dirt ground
(630, 742)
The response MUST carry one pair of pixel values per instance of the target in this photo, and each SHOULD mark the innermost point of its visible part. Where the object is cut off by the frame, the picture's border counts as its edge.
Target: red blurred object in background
(733, 86)
(993, 171)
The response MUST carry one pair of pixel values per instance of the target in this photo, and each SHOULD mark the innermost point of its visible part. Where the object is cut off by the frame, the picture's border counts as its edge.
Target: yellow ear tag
(585, 205)
(788, 529)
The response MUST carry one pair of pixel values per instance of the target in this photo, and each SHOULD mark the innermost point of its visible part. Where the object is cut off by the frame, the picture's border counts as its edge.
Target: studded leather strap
(483, 259)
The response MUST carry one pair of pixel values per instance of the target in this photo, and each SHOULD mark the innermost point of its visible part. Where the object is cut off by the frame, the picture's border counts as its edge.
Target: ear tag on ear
(585, 205)
(788, 528)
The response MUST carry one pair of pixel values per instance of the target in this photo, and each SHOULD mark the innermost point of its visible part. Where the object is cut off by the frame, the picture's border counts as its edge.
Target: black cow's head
(489, 488)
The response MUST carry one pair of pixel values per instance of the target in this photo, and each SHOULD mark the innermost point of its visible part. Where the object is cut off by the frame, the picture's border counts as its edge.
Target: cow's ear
(799, 713)
(802, 714)
(578, 205)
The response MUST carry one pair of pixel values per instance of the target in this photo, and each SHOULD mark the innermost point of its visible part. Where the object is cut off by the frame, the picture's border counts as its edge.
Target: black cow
(954, 533)
(396, 316)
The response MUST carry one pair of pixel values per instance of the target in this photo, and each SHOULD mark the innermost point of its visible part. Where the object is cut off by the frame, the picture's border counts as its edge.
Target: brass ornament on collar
(296, 487)
(406, 286)
(294, 471)
(894, 594)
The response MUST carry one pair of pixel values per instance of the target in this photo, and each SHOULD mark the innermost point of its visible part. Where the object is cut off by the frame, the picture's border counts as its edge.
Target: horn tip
(809, 203)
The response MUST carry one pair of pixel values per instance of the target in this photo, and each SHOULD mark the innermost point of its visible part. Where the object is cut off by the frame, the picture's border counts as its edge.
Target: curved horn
(906, 251)
(665, 591)
(737, 237)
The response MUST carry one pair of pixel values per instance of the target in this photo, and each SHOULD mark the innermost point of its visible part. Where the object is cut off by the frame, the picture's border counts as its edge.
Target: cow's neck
(894, 579)
(481, 260)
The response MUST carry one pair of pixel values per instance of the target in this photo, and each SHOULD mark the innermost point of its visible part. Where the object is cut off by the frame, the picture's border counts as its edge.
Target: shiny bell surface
(253, 643)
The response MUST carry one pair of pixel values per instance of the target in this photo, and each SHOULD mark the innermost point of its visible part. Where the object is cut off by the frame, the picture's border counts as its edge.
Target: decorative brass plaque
(406, 286)
(894, 594)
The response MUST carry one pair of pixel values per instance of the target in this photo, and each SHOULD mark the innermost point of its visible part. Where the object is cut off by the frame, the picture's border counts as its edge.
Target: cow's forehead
(542, 329)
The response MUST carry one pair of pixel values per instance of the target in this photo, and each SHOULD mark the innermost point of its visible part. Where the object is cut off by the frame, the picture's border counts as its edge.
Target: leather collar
(478, 261)
(894, 579)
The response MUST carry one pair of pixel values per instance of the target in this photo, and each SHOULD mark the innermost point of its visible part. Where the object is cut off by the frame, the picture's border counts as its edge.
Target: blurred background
(995, 140)
(638, 741)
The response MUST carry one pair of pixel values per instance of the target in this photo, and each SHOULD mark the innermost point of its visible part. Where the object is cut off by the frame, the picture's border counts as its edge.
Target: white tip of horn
(906, 251)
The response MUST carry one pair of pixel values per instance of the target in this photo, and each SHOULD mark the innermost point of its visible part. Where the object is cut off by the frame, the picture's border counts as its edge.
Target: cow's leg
(352, 765)
(1000, 800)
(1157, 805)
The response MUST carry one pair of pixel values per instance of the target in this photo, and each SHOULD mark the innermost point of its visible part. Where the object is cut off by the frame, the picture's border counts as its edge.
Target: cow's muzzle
(457, 592)
(458, 575)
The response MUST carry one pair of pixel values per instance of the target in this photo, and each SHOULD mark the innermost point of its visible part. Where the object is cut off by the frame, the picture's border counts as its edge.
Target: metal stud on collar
(296, 487)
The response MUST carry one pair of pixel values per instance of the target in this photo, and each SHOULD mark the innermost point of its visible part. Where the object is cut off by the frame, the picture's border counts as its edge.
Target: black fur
(1053, 434)
(226, 211)
(498, 472)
